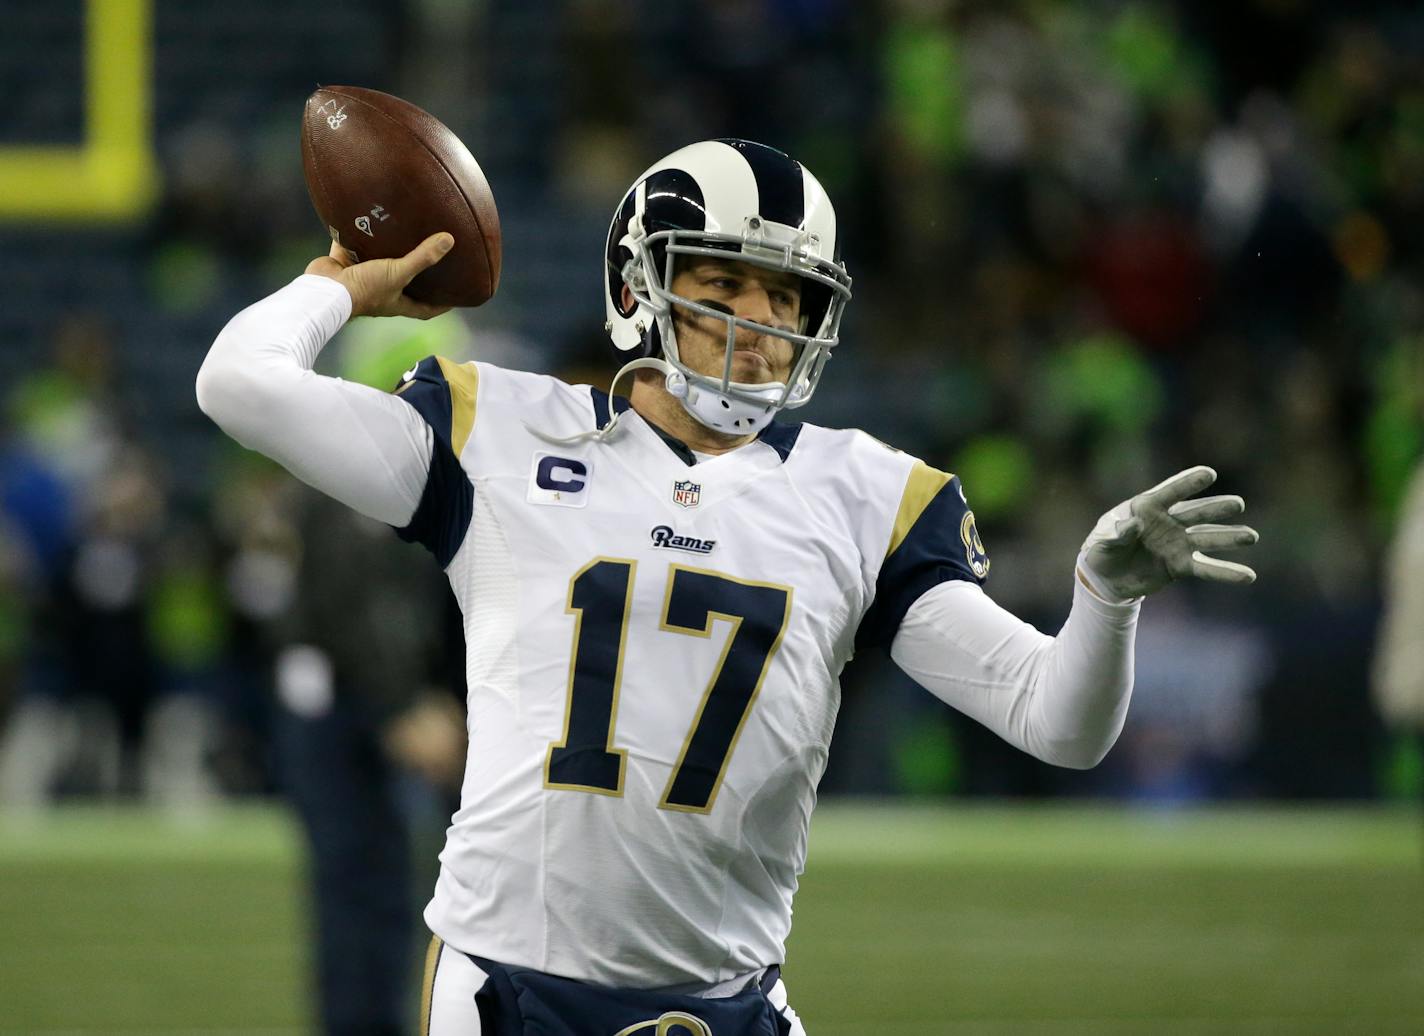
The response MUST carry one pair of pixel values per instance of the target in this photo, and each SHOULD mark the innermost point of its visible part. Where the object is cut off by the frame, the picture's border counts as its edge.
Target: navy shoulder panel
(781, 437)
(426, 388)
(934, 540)
(443, 393)
(600, 406)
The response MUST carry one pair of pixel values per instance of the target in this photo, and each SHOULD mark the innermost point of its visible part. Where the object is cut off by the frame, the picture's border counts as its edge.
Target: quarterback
(660, 591)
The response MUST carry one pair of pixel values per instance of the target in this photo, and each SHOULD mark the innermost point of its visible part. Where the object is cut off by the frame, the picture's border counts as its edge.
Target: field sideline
(960, 920)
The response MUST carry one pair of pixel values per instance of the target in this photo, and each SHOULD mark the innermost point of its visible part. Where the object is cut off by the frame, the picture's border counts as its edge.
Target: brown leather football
(384, 175)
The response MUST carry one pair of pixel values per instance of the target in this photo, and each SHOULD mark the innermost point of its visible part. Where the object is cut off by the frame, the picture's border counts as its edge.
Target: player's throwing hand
(1144, 543)
(377, 285)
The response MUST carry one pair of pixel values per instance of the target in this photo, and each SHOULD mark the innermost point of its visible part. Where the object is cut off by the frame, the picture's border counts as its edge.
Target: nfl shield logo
(686, 494)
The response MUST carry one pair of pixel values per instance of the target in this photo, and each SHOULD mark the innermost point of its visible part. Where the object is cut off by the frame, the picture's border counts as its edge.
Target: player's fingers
(408, 307)
(1221, 537)
(1217, 571)
(423, 256)
(1207, 509)
(1181, 485)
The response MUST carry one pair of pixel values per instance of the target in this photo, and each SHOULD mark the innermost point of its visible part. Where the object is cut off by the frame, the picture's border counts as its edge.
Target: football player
(660, 592)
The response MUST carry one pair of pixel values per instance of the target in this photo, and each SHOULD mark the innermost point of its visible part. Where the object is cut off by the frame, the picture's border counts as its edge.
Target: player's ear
(627, 299)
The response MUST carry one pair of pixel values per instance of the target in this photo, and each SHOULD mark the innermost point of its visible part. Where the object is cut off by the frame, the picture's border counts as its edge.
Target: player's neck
(656, 405)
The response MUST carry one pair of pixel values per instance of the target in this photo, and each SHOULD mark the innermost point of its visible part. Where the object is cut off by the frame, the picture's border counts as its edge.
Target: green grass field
(910, 920)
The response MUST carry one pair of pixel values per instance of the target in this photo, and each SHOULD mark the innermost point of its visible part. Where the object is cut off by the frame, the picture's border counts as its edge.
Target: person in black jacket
(371, 744)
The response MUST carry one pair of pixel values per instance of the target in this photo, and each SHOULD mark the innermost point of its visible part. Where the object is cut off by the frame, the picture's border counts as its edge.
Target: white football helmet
(729, 199)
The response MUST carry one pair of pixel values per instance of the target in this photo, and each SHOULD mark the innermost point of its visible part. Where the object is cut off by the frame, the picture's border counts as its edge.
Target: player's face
(771, 297)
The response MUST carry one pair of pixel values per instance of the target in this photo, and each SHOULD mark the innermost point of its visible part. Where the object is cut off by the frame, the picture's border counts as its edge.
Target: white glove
(1144, 543)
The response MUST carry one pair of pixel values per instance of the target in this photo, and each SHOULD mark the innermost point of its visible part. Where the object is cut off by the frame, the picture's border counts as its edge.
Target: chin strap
(701, 403)
(736, 416)
(676, 384)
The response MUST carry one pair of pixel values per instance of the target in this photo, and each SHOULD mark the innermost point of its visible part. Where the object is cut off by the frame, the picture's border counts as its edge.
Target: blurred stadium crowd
(1092, 243)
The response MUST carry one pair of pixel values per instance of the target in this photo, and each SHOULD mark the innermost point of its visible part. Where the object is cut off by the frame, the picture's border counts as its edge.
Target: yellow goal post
(112, 175)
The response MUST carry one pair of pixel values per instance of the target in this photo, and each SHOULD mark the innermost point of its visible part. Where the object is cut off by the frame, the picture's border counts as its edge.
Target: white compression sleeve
(366, 448)
(1062, 699)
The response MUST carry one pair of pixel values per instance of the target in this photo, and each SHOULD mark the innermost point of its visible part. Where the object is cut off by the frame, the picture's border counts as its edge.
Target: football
(384, 175)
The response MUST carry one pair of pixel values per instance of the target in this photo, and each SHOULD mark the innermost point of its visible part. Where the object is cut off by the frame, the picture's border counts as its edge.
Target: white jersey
(653, 653)
(654, 643)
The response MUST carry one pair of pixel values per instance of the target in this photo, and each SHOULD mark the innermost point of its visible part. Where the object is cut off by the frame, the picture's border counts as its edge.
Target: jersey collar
(781, 437)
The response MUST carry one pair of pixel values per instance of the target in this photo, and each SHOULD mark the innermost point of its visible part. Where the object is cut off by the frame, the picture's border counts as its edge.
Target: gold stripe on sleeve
(464, 382)
(920, 488)
(427, 991)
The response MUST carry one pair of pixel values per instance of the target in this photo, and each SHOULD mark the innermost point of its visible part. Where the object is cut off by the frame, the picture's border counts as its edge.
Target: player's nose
(754, 303)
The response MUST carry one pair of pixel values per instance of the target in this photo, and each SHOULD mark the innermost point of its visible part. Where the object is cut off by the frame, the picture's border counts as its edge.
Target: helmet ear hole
(627, 301)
